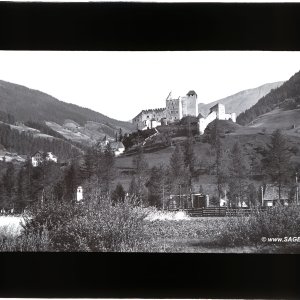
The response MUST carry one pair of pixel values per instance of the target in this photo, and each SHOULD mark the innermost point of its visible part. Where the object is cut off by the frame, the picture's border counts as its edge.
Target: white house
(117, 147)
(38, 158)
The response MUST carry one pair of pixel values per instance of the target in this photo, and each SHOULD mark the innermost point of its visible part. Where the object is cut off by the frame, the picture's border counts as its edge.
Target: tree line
(26, 143)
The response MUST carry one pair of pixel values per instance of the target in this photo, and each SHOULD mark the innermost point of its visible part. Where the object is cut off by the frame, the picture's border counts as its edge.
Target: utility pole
(262, 196)
(297, 192)
(163, 196)
(180, 205)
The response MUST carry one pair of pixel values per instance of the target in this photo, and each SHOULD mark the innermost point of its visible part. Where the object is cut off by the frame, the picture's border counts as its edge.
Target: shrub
(86, 226)
(278, 221)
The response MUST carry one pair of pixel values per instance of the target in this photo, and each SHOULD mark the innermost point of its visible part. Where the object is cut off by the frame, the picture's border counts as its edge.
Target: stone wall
(147, 118)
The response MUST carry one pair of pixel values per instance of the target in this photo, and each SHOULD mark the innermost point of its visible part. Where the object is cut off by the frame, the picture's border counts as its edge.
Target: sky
(121, 84)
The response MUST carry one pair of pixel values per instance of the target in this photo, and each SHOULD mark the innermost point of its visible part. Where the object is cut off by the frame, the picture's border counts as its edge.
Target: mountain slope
(288, 91)
(278, 119)
(241, 101)
(26, 104)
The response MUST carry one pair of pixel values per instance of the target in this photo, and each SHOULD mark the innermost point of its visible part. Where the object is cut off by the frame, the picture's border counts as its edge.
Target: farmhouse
(39, 157)
(271, 195)
(117, 147)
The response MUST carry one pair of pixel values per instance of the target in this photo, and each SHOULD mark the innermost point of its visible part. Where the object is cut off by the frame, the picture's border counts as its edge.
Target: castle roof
(191, 93)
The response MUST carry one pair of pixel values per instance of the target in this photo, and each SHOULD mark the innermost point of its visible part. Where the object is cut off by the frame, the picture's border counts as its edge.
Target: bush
(279, 221)
(86, 226)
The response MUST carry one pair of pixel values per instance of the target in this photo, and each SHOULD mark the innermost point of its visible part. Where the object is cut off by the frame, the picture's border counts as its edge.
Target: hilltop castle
(176, 109)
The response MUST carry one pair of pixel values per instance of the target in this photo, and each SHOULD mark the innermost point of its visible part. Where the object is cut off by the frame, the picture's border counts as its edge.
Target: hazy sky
(121, 84)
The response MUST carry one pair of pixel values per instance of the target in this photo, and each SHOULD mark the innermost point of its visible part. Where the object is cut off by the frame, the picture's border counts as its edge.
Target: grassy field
(205, 235)
(160, 231)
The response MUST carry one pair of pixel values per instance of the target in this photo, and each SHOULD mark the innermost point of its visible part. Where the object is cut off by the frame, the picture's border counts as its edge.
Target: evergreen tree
(8, 181)
(179, 174)
(276, 161)
(252, 195)
(118, 194)
(156, 186)
(108, 169)
(70, 183)
(238, 173)
(141, 168)
(189, 155)
(220, 168)
(88, 167)
(120, 135)
(132, 187)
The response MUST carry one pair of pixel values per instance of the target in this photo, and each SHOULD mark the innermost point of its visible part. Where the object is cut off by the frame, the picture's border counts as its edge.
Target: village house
(39, 156)
(117, 147)
(271, 195)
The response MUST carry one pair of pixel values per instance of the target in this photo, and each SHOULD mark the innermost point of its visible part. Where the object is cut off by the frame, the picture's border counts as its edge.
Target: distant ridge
(27, 104)
(289, 90)
(242, 100)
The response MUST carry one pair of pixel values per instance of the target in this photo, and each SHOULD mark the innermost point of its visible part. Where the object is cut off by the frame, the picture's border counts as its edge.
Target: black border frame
(149, 27)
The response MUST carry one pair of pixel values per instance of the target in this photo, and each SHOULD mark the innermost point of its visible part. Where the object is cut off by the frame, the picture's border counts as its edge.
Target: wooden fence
(221, 211)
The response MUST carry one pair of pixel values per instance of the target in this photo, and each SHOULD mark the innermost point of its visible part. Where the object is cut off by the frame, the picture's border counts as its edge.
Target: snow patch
(11, 224)
(167, 215)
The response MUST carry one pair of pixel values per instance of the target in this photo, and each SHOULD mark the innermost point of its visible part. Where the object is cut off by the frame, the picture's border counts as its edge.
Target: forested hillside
(31, 105)
(290, 89)
(26, 143)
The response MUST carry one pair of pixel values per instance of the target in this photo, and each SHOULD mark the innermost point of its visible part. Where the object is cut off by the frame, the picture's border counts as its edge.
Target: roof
(271, 193)
(200, 116)
(191, 93)
(116, 145)
(42, 153)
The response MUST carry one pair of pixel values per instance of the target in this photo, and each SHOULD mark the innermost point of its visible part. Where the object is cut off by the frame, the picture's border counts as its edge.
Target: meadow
(125, 228)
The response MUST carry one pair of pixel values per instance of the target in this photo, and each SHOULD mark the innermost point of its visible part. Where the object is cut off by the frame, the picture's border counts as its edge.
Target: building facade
(190, 104)
(215, 112)
(149, 118)
(39, 156)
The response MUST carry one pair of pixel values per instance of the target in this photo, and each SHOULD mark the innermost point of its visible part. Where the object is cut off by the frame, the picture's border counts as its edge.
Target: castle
(215, 112)
(176, 109)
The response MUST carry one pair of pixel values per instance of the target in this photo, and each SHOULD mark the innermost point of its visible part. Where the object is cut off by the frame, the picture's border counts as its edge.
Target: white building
(117, 147)
(39, 156)
(215, 112)
(79, 193)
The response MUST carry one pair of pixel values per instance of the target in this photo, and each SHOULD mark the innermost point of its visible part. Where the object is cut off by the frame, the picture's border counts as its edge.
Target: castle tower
(190, 104)
(173, 108)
